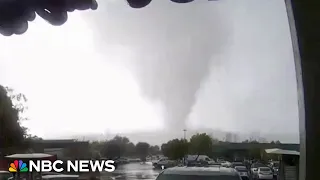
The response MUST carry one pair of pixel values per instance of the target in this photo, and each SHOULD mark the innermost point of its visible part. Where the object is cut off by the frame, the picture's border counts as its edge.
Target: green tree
(115, 147)
(154, 150)
(130, 149)
(175, 149)
(12, 108)
(111, 149)
(245, 141)
(201, 144)
(142, 149)
(278, 142)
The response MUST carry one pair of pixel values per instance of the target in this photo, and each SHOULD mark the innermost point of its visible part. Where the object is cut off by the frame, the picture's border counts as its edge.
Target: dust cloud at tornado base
(173, 48)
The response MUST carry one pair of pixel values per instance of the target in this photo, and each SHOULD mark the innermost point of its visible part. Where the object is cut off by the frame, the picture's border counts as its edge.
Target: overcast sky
(224, 65)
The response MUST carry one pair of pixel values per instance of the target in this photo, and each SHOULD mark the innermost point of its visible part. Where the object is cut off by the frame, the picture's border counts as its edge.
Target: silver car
(199, 173)
(265, 173)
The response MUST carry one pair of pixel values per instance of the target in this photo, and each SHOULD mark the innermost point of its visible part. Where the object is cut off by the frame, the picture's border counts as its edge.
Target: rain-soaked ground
(132, 171)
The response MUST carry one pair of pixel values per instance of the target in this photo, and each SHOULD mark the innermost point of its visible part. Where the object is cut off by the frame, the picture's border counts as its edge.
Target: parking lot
(132, 171)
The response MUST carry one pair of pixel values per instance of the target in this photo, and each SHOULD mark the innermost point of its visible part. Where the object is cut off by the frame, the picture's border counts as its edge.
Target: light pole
(184, 136)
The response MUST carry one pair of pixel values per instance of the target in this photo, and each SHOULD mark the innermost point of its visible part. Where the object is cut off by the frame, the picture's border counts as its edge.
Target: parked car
(274, 165)
(202, 159)
(199, 173)
(226, 164)
(60, 177)
(4, 175)
(220, 160)
(234, 164)
(265, 173)
(122, 160)
(164, 163)
(243, 172)
(254, 169)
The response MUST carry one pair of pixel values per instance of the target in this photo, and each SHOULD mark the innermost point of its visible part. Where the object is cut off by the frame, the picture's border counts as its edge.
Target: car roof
(211, 171)
(240, 167)
(4, 172)
(60, 176)
(27, 156)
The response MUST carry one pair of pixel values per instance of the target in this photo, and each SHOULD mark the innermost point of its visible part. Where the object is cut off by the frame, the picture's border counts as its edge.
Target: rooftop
(282, 151)
(27, 156)
(211, 171)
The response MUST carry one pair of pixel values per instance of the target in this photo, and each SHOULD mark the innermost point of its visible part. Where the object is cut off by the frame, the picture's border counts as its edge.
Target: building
(244, 150)
(63, 148)
(289, 163)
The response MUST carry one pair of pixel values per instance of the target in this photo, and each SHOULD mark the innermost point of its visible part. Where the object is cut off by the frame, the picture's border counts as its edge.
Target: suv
(199, 173)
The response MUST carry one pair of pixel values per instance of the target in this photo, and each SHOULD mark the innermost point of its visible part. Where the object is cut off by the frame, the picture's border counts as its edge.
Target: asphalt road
(132, 171)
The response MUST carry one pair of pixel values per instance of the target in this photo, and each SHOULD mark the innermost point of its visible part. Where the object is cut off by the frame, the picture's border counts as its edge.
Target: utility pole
(184, 136)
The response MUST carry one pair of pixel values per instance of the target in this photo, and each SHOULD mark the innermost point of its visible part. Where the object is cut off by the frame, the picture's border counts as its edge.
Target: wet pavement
(132, 171)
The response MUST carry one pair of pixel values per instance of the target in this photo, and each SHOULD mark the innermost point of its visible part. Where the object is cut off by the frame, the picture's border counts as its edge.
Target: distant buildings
(231, 137)
(63, 148)
(228, 137)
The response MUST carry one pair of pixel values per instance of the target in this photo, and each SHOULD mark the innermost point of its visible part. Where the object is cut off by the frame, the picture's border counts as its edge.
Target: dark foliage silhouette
(15, 14)
(144, 3)
(11, 132)
(138, 3)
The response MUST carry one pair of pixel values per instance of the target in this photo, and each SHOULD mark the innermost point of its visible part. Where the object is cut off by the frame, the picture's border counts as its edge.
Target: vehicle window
(195, 177)
(264, 169)
(241, 168)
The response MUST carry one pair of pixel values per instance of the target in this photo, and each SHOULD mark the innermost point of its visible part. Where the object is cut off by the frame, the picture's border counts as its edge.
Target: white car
(243, 172)
(254, 169)
(265, 173)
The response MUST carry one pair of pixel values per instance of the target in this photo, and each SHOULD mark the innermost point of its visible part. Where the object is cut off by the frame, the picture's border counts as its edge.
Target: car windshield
(264, 169)
(195, 177)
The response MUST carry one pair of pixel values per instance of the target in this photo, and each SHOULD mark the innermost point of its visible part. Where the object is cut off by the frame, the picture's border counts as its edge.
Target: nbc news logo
(57, 166)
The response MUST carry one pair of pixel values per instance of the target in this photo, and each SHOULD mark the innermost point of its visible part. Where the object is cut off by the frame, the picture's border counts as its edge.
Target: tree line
(200, 143)
(174, 149)
(14, 137)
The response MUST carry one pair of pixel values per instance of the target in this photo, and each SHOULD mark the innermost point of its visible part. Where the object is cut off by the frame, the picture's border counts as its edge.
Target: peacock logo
(18, 166)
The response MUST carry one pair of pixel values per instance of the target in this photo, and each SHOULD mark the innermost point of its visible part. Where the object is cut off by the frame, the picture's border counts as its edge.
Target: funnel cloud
(173, 46)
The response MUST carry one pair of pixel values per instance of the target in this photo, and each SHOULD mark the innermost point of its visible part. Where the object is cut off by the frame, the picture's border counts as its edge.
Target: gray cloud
(237, 53)
(175, 44)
